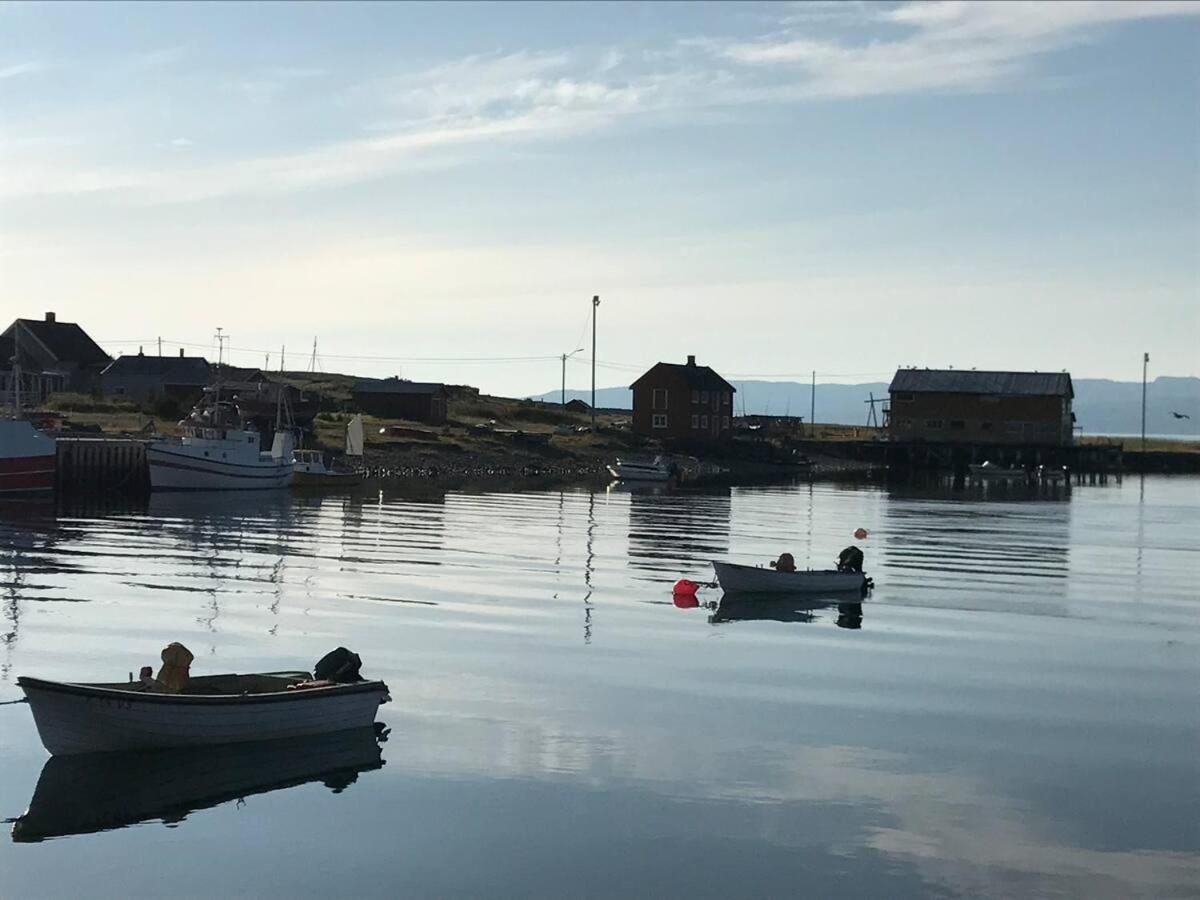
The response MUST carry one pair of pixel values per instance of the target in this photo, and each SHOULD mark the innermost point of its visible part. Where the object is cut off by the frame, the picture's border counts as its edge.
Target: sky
(437, 191)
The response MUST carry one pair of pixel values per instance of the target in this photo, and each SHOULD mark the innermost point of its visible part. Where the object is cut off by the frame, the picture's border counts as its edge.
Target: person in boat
(785, 563)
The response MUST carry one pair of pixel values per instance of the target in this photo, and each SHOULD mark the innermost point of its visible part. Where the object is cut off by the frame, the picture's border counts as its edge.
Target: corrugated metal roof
(396, 386)
(963, 381)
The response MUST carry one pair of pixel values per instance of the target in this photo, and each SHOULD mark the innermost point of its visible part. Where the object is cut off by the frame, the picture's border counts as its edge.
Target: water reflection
(102, 791)
(846, 609)
(682, 530)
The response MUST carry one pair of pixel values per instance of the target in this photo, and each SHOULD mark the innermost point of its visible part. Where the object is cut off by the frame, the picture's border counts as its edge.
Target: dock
(102, 465)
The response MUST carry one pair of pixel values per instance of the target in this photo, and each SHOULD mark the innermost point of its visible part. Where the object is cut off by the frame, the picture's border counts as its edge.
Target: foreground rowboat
(216, 709)
(737, 579)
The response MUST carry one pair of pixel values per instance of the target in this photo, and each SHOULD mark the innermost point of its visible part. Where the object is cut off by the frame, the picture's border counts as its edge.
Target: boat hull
(174, 469)
(736, 579)
(77, 718)
(326, 480)
(628, 473)
(28, 459)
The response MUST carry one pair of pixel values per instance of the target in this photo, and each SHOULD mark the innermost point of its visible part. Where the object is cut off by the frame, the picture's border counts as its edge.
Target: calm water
(1017, 714)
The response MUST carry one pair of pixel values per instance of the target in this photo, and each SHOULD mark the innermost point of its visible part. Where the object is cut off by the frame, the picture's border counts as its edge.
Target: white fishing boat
(217, 709)
(640, 470)
(739, 579)
(28, 458)
(218, 452)
(990, 471)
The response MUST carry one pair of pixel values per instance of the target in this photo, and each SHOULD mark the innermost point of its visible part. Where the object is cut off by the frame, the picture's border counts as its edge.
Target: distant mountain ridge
(1101, 406)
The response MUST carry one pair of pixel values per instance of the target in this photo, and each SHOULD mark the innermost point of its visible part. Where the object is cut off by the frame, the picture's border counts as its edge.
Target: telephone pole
(595, 304)
(812, 408)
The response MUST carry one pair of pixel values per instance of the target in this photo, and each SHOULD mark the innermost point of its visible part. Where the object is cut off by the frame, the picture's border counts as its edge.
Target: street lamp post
(565, 357)
(595, 303)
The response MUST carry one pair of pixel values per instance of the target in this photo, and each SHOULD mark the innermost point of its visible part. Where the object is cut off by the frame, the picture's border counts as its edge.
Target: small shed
(399, 399)
(577, 406)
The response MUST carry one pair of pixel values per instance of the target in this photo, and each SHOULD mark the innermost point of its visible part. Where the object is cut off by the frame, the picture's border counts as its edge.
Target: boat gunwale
(78, 689)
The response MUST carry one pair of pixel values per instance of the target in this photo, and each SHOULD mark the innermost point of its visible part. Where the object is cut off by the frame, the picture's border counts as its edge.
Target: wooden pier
(102, 466)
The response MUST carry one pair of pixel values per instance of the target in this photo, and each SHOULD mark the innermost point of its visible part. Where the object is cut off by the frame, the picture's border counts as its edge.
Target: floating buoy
(685, 601)
(860, 533)
(685, 588)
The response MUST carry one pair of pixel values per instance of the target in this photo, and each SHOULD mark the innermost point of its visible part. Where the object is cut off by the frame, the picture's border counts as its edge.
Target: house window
(704, 422)
(695, 396)
(704, 396)
(903, 398)
(725, 421)
(695, 421)
(659, 400)
(716, 398)
(659, 421)
(957, 424)
(933, 423)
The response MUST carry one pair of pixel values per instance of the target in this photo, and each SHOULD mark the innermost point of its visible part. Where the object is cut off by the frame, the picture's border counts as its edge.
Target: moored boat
(216, 709)
(28, 458)
(991, 471)
(740, 579)
(217, 452)
(640, 470)
(310, 471)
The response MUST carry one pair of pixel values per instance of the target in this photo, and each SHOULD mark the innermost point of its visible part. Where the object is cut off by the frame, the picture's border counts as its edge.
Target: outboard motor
(850, 560)
(338, 665)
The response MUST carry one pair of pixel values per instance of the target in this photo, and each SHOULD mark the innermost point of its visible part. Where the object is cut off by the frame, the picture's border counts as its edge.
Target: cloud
(945, 45)
(18, 69)
(409, 120)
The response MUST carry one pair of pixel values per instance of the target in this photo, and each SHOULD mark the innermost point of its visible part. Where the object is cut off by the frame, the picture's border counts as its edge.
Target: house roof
(397, 386)
(237, 373)
(962, 381)
(701, 378)
(167, 369)
(66, 341)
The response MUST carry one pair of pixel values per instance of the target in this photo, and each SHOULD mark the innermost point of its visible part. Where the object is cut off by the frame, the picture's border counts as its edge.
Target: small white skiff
(738, 579)
(640, 470)
(215, 709)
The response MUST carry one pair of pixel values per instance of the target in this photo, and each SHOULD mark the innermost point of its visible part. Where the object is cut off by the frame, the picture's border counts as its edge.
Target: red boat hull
(26, 474)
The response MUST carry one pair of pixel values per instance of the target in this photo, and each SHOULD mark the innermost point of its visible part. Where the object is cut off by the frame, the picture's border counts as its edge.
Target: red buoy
(860, 533)
(686, 588)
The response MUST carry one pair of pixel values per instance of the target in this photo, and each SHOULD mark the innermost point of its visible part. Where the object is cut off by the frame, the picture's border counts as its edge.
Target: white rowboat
(633, 470)
(217, 709)
(738, 579)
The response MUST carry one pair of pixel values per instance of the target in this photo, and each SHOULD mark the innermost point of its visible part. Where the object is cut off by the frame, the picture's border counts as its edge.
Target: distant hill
(1101, 406)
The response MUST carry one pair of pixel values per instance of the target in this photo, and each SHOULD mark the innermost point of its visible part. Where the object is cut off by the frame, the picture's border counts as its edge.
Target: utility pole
(812, 409)
(565, 357)
(282, 351)
(1145, 366)
(221, 339)
(16, 370)
(313, 365)
(160, 346)
(595, 303)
